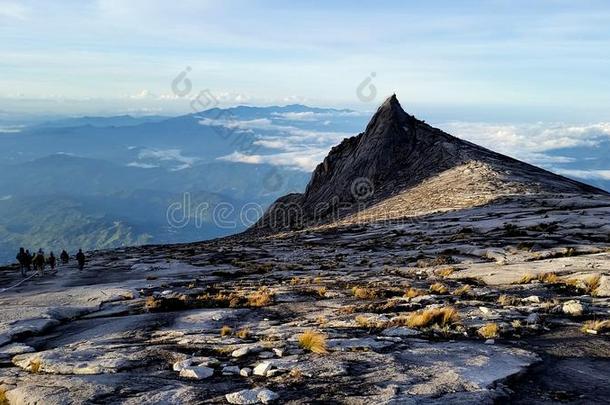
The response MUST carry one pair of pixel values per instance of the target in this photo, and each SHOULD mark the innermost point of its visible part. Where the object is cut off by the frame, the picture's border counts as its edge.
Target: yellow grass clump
(438, 288)
(243, 333)
(596, 326)
(34, 365)
(489, 330)
(364, 293)
(508, 300)
(445, 272)
(548, 278)
(225, 331)
(592, 283)
(369, 323)
(527, 278)
(313, 341)
(296, 374)
(260, 298)
(445, 316)
(463, 291)
(414, 292)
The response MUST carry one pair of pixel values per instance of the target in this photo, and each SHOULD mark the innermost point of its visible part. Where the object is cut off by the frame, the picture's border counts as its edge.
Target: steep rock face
(396, 153)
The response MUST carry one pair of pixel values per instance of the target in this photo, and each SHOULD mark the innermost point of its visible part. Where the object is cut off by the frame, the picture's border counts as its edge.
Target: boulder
(179, 365)
(533, 299)
(243, 397)
(573, 308)
(266, 396)
(399, 331)
(262, 368)
(230, 370)
(242, 351)
(253, 396)
(533, 319)
(15, 348)
(196, 373)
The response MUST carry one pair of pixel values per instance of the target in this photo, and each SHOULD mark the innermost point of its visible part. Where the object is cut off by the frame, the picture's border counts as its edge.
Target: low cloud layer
(150, 158)
(296, 147)
(527, 139)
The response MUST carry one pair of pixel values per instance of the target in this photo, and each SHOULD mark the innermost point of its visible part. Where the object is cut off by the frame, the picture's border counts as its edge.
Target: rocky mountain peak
(397, 155)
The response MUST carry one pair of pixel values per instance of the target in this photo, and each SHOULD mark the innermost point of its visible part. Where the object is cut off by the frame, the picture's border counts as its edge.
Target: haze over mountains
(101, 182)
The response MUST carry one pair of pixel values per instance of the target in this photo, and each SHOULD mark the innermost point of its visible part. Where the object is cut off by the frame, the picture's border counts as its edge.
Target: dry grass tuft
(243, 333)
(438, 288)
(592, 283)
(527, 278)
(414, 292)
(162, 304)
(364, 293)
(370, 323)
(296, 374)
(508, 300)
(313, 341)
(489, 330)
(463, 291)
(3, 399)
(225, 331)
(445, 316)
(35, 364)
(548, 278)
(596, 326)
(260, 298)
(445, 272)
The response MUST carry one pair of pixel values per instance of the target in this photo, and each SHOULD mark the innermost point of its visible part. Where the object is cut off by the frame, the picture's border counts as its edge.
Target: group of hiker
(38, 260)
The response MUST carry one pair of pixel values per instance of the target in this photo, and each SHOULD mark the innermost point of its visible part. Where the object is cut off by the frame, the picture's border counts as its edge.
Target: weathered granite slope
(176, 324)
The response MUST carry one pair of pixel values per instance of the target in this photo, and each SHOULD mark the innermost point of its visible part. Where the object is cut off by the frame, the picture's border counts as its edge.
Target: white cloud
(584, 174)
(304, 160)
(163, 155)
(288, 138)
(13, 10)
(309, 116)
(142, 165)
(530, 141)
(11, 129)
(260, 123)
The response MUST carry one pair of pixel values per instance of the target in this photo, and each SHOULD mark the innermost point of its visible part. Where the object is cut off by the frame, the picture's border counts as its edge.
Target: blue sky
(478, 60)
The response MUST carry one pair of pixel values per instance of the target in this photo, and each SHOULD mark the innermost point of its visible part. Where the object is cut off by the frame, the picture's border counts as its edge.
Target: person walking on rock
(52, 261)
(23, 259)
(80, 258)
(29, 258)
(39, 262)
(64, 257)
